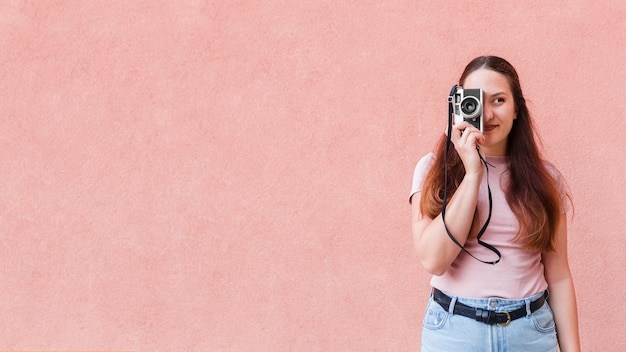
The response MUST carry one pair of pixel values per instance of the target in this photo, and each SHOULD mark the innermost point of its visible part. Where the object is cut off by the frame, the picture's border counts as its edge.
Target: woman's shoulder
(553, 171)
(561, 184)
(423, 165)
(419, 174)
(426, 161)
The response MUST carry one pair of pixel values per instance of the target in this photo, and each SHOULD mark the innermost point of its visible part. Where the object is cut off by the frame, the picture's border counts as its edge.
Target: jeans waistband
(490, 311)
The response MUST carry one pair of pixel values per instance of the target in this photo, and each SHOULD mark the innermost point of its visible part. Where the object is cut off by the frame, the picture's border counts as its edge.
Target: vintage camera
(468, 106)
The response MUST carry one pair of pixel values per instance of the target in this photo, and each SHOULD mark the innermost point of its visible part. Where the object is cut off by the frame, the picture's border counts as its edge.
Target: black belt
(487, 316)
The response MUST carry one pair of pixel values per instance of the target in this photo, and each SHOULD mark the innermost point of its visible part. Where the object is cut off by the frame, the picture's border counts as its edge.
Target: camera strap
(445, 192)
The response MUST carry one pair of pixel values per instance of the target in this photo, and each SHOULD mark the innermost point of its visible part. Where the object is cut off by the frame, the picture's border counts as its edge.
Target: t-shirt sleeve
(561, 185)
(422, 167)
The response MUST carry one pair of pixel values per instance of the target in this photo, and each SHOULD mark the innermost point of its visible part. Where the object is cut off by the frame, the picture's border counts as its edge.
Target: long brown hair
(532, 191)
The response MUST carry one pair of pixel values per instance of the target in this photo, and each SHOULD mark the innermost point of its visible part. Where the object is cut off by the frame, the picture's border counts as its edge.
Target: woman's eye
(498, 100)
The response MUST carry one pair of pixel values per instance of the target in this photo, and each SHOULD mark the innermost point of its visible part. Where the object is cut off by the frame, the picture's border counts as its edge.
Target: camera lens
(469, 106)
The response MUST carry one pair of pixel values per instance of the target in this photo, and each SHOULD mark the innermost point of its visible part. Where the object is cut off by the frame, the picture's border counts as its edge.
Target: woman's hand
(466, 138)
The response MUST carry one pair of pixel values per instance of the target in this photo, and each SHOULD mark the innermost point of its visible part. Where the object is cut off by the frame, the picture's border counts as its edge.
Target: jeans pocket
(435, 317)
(544, 319)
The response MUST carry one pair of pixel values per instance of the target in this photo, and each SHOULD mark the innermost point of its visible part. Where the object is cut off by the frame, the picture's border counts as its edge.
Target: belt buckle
(508, 320)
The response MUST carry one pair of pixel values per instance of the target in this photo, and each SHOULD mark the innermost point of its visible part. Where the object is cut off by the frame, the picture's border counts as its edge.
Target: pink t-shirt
(519, 273)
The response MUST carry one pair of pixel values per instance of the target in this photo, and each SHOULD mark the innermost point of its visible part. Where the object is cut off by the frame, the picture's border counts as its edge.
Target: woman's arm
(435, 249)
(562, 296)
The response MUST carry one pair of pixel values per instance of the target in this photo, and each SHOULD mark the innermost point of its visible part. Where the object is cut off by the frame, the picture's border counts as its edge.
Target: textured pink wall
(233, 175)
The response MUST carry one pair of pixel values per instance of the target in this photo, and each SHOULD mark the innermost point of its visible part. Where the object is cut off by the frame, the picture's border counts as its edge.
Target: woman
(526, 299)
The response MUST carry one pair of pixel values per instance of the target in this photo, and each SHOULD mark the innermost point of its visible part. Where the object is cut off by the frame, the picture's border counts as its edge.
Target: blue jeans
(444, 331)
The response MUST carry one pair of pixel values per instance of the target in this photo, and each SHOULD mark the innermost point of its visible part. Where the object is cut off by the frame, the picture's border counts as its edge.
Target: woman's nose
(487, 112)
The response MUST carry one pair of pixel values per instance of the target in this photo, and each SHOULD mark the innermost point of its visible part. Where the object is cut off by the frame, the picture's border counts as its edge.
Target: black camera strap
(445, 192)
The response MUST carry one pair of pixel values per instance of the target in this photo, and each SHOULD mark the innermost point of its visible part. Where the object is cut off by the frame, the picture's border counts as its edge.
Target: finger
(466, 125)
(458, 131)
(463, 127)
(470, 136)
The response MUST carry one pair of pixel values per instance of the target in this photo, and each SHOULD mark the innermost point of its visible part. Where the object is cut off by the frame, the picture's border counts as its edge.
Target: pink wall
(233, 175)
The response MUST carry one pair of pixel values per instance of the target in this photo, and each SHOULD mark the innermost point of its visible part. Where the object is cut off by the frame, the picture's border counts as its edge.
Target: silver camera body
(468, 106)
